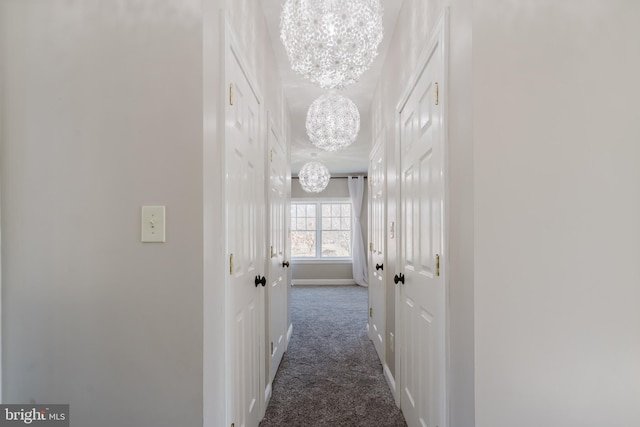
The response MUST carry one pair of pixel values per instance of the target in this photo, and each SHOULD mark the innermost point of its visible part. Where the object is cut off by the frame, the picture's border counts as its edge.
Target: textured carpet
(331, 374)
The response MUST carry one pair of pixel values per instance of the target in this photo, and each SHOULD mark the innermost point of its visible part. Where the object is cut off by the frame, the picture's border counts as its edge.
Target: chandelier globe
(331, 43)
(333, 122)
(314, 177)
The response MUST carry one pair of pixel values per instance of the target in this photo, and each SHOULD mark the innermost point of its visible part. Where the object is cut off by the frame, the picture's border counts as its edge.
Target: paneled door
(244, 149)
(377, 245)
(277, 289)
(422, 295)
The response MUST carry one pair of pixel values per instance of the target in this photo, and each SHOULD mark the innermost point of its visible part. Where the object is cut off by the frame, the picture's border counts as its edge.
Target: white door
(245, 239)
(276, 295)
(377, 242)
(422, 296)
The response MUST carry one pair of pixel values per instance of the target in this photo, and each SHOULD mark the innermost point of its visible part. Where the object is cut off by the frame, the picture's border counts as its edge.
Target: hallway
(110, 109)
(330, 374)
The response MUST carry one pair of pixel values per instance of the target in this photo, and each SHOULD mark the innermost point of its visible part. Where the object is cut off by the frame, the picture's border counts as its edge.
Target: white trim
(216, 378)
(267, 394)
(392, 382)
(378, 142)
(309, 200)
(1, 316)
(289, 333)
(325, 260)
(443, 26)
(322, 282)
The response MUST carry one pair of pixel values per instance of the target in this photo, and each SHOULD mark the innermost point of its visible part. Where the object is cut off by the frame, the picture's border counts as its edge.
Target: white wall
(415, 23)
(102, 113)
(112, 105)
(557, 205)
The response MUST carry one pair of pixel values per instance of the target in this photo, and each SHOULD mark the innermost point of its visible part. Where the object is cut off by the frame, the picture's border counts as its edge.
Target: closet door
(278, 264)
(377, 246)
(245, 202)
(422, 292)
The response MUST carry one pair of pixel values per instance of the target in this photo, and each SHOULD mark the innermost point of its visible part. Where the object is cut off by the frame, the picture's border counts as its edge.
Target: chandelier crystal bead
(314, 177)
(333, 122)
(331, 42)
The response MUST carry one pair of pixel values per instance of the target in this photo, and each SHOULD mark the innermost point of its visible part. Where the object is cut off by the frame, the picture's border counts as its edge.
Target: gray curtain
(356, 192)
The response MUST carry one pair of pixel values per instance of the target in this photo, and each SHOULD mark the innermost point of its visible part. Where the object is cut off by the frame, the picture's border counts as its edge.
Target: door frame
(439, 39)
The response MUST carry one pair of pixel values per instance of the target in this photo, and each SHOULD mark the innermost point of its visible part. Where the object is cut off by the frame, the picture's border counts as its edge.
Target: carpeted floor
(330, 374)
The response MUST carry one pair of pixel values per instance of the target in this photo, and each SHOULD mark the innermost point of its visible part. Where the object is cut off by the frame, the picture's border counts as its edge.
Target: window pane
(326, 223)
(335, 223)
(303, 244)
(336, 244)
(311, 211)
(311, 223)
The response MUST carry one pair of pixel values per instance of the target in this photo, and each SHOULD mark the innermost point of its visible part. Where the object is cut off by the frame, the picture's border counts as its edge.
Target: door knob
(399, 278)
(285, 264)
(260, 281)
(379, 267)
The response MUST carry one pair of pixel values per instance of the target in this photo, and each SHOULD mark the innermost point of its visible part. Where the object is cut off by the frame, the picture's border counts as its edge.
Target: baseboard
(267, 395)
(323, 282)
(390, 380)
(289, 333)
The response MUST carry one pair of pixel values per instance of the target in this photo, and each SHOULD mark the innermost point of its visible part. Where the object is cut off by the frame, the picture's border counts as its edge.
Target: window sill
(321, 261)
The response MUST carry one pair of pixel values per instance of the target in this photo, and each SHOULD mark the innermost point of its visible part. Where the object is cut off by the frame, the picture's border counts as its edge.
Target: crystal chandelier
(314, 177)
(331, 42)
(333, 122)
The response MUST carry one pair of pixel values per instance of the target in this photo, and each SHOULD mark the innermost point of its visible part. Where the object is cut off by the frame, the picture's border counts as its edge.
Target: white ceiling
(300, 94)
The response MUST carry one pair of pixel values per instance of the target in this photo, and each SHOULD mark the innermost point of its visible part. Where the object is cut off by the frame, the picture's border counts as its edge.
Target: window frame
(320, 259)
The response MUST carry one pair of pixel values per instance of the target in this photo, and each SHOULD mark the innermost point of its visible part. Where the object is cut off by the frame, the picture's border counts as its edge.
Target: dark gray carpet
(330, 374)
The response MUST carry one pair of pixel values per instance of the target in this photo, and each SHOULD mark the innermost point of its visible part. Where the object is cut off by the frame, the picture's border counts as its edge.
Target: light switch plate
(153, 224)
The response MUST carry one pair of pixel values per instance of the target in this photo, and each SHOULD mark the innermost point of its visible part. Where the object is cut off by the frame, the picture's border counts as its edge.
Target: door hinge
(271, 252)
(271, 155)
(230, 93)
(437, 265)
(370, 246)
(370, 311)
(272, 348)
(437, 94)
(231, 264)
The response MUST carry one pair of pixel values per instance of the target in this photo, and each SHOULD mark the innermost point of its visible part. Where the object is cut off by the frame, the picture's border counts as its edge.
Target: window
(321, 230)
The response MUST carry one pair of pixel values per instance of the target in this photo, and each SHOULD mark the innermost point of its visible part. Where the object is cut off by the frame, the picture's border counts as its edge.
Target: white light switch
(153, 224)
